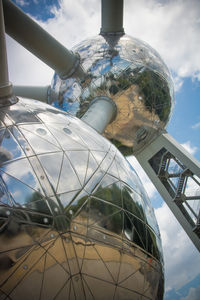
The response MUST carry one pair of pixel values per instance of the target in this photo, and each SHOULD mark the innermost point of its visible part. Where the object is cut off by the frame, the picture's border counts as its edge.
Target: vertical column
(5, 86)
(112, 17)
(176, 175)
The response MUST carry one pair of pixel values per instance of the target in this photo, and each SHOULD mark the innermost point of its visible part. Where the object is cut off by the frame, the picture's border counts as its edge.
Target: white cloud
(171, 27)
(178, 82)
(181, 257)
(191, 149)
(193, 294)
(195, 126)
(25, 68)
(22, 2)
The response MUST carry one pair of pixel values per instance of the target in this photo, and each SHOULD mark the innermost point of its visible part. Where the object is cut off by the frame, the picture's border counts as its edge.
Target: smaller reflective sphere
(134, 76)
(75, 221)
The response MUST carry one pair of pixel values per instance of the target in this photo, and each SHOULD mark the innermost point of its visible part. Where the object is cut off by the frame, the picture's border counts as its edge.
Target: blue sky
(172, 27)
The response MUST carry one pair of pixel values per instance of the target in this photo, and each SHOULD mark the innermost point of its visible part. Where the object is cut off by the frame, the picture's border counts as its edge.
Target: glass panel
(20, 114)
(66, 198)
(52, 164)
(41, 131)
(113, 170)
(22, 171)
(4, 194)
(39, 144)
(110, 193)
(132, 202)
(91, 167)
(94, 181)
(21, 193)
(37, 203)
(106, 216)
(9, 148)
(65, 140)
(79, 161)
(139, 231)
(99, 156)
(22, 141)
(68, 181)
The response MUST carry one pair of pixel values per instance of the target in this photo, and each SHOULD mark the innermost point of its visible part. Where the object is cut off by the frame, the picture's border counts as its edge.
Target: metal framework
(176, 175)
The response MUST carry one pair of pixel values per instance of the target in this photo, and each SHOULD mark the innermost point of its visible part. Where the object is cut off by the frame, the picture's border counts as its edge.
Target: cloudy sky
(172, 27)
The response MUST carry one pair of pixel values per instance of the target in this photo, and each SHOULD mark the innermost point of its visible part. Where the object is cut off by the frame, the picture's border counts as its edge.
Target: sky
(172, 27)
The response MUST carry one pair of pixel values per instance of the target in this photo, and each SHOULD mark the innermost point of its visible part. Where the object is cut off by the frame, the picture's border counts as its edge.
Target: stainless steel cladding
(75, 221)
(131, 73)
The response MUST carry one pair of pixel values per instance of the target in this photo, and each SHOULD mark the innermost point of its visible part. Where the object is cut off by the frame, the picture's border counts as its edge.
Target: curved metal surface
(74, 218)
(134, 76)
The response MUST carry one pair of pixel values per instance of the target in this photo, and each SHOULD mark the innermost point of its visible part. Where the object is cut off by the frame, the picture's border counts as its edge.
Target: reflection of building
(133, 75)
(75, 220)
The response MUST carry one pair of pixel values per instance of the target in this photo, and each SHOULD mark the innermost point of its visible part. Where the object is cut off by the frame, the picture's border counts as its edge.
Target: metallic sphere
(131, 73)
(75, 220)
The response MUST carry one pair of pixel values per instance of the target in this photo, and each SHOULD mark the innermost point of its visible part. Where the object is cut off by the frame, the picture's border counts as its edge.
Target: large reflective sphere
(75, 222)
(134, 76)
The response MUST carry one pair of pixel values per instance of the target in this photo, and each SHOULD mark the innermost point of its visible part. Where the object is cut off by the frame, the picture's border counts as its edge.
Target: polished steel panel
(75, 221)
(134, 76)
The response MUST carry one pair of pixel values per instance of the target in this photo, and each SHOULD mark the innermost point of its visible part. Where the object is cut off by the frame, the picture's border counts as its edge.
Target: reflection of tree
(152, 86)
(106, 213)
(152, 246)
(76, 205)
(110, 193)
(156, 93)
(122, 148)
(131, 204)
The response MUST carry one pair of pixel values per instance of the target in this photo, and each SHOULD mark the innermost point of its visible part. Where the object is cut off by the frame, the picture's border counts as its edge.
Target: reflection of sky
(9, 145)
(72, 108)
(19, 191)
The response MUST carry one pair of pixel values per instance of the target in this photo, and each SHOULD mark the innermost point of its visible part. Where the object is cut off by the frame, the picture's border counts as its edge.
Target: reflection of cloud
(4, 155)
(22, 3)
(147, 184)
(191, 149)
(194, 294)
(181, 257)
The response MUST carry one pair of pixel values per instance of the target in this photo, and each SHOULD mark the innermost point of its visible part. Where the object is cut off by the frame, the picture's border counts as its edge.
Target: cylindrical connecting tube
(101, 112)
(39, 42)
(112, 17)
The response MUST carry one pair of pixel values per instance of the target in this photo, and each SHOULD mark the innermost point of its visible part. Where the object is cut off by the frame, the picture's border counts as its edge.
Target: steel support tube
(39, 42)
(32, 92)
(101, 112)
(112, 17)
(5, 86)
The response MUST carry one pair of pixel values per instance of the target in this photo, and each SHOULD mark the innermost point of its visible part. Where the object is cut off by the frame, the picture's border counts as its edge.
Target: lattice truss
(182, 185)
(74, 234)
